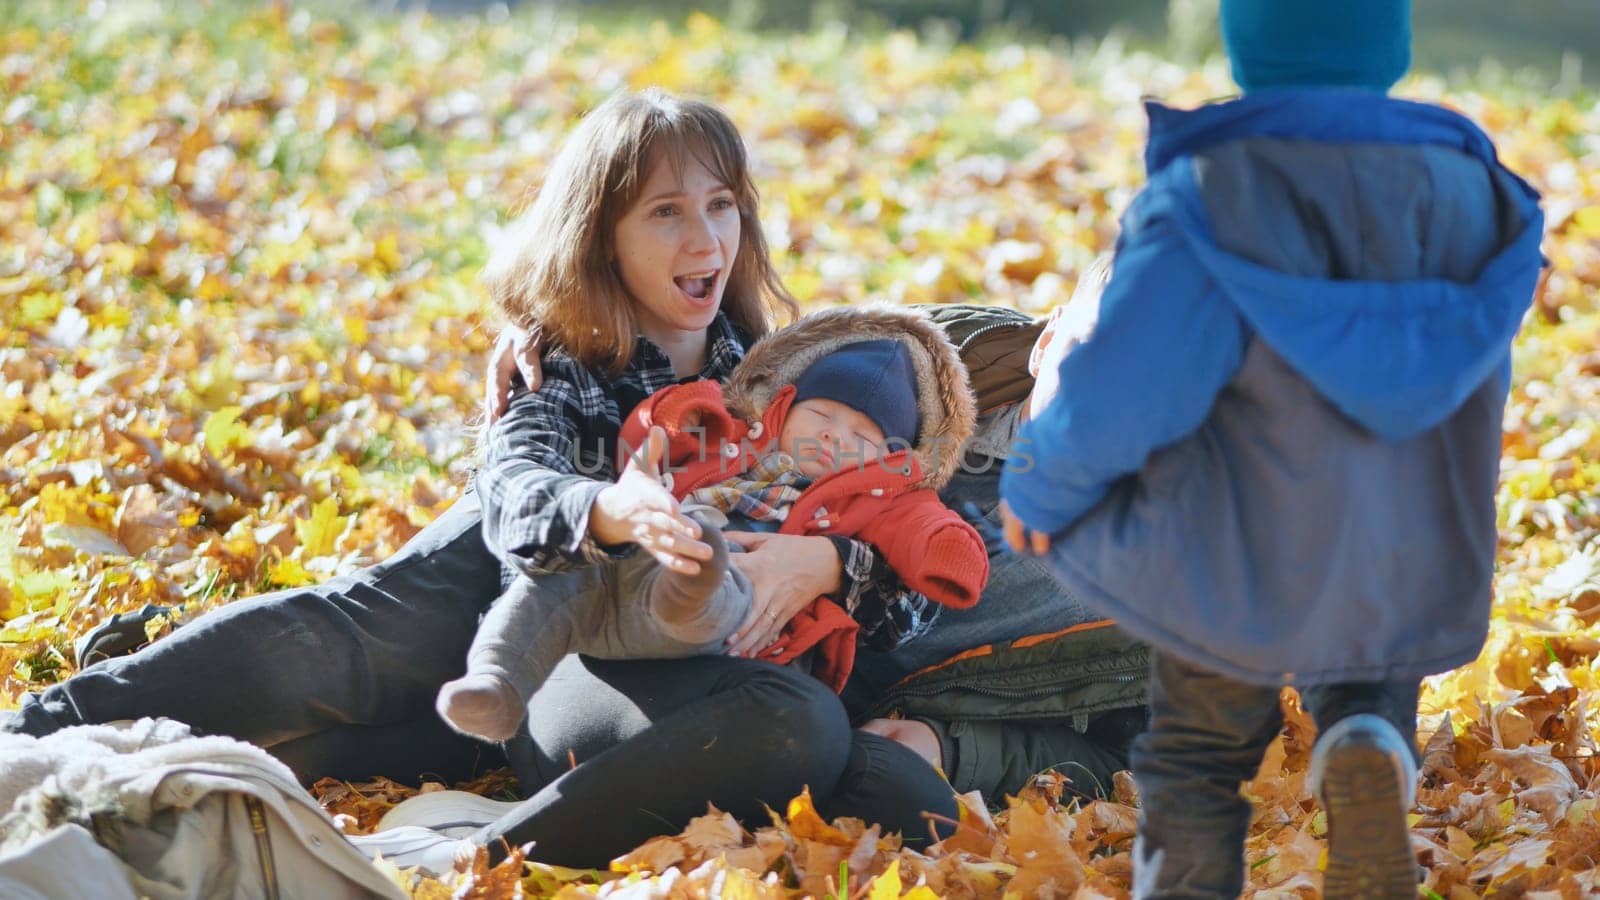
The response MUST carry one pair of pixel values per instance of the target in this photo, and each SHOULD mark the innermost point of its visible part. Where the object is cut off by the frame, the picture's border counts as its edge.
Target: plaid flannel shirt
(555, 448)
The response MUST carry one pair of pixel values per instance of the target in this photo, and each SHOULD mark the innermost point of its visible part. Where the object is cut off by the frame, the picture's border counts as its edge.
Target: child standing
(843, 424)
(1275, 458)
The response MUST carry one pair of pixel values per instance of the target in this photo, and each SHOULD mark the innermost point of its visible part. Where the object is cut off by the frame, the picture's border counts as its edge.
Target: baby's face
(826, 436)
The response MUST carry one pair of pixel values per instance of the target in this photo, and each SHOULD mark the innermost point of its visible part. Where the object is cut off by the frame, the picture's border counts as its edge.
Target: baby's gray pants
(601, 611)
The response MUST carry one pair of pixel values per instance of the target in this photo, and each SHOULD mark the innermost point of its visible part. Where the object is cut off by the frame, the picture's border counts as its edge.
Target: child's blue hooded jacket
(1277, 454)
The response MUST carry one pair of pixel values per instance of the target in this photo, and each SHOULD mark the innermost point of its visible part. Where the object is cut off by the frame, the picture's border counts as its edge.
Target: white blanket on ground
(93, 754)
(183, 816)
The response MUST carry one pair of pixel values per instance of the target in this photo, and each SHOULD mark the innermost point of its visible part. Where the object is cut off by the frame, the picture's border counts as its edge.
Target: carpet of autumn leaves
(240, 344)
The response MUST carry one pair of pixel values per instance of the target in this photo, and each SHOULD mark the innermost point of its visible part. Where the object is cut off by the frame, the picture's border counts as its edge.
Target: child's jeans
(601, 611)
(1207, 735)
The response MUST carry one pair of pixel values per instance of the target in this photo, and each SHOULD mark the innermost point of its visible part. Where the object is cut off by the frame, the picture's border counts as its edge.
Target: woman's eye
(664, 211)
(722, 203)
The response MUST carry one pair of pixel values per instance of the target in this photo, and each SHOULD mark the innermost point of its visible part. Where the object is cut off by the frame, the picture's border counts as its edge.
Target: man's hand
(514, 351)
(1018, 537)
(787, 571)
(640, 510)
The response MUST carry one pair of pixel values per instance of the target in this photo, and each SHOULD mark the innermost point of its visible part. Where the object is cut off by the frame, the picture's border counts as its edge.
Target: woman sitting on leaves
(645, 237)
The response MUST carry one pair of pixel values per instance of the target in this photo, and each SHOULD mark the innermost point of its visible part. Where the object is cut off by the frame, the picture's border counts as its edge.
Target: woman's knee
(886, 783)
(801, 722)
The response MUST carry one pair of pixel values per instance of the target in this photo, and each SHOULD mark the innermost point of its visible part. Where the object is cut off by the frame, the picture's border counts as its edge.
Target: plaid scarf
(762, 493)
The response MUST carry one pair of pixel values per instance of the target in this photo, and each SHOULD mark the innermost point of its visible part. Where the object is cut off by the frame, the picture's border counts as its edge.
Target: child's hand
(1019, 538)
(638, 509)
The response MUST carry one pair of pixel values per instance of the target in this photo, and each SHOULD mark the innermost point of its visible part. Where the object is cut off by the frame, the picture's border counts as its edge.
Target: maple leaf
(1506, 860)
(1039, 843)
(805, 823)
(319, 535)
(143, 521)
(1549, 785)
(289, 573)
(655, 855)
(888, 887)
(223, 431)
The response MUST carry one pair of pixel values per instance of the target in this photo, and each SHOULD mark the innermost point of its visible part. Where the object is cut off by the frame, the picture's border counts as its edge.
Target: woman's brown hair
(555, 268)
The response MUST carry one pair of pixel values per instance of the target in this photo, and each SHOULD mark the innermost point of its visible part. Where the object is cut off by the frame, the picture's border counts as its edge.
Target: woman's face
(675, 248)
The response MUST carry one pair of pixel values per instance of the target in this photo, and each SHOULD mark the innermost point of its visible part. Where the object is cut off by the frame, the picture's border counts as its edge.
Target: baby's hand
(639, 509)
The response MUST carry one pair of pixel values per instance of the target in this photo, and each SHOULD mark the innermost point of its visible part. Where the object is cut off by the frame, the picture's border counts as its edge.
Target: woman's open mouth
(698, 286)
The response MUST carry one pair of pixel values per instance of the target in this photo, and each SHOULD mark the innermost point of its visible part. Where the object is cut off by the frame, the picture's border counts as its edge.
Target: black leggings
(654, 740)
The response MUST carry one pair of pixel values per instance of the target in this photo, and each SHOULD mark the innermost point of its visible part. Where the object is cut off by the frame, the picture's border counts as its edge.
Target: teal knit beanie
(1286, 43)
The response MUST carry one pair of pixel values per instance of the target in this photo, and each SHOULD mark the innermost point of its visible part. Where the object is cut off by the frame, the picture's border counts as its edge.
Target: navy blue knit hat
(1284, 43)
(875, 377)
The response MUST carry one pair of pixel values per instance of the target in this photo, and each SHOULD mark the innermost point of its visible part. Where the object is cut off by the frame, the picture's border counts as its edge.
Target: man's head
(1296, 43)
(1067, 327)
(852, 406)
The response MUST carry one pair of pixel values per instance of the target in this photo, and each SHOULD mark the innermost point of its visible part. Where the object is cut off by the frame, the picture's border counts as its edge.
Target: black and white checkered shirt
(555, 449)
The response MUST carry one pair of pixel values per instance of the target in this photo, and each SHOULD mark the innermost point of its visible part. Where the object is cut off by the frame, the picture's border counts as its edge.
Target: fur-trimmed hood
(944, 398)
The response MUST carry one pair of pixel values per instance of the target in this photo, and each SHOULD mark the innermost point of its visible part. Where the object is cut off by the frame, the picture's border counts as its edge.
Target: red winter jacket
(931, 548)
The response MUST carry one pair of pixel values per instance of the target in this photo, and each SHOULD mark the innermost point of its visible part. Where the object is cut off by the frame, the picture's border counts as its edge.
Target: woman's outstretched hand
(787, 571)
(1018, 536)
(639, 509)
(514, 351)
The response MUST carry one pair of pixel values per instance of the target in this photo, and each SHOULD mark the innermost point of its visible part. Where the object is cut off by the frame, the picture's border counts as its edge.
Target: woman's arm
(535, 502)
(790, 571)
(542, 513)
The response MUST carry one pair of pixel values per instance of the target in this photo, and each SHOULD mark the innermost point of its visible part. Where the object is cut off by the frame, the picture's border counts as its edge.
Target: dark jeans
(340, 679)
(1000, 757)
(1207, 735)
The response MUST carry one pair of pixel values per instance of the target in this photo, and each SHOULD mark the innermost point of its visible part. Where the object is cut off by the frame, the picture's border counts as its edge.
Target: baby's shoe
(1365, 776)
(481, 705)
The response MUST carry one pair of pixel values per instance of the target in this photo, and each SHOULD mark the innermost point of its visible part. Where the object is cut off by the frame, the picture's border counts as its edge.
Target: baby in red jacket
(842, 424)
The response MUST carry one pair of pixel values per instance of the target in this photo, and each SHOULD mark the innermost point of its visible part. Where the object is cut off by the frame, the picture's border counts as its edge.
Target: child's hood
(944, 398)
(1385, 193)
